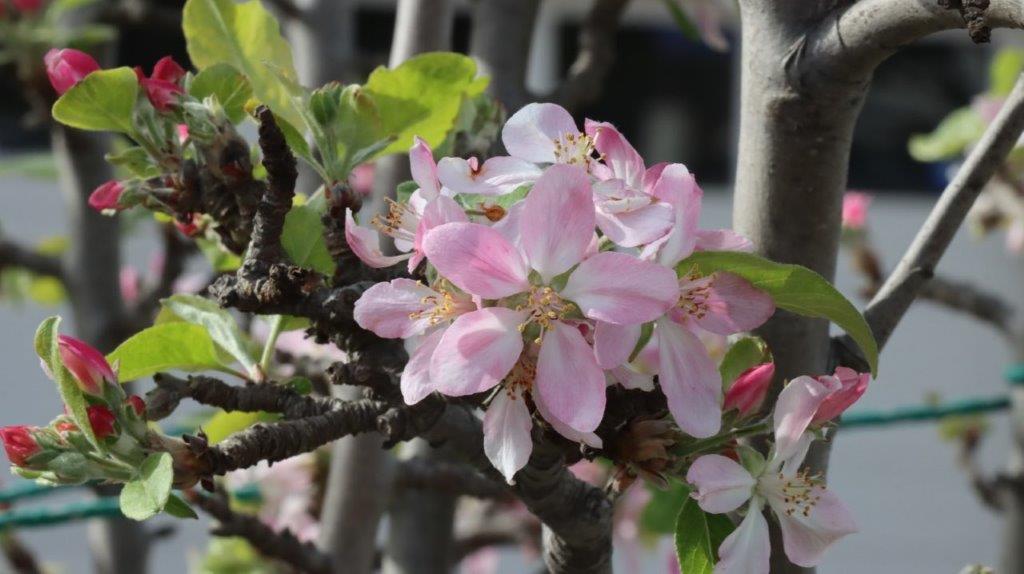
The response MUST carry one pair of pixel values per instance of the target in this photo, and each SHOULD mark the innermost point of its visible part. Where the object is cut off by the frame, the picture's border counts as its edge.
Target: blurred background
(674, 97)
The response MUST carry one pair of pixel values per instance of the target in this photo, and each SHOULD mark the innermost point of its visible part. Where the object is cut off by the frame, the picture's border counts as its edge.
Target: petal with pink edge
(441, 210)
(508, 226)
(424, 170)
(806, 538)
(415, 381)
(677, 187)
(794, 410)
(365, 243)
(734, 305)
(477, 351)
(388, 309)
(637, 226)
(558, 220)
(630, 377)
(531, 132)
(587, 438)
(614, 343)
(722, 240)
(747, 550)
(507, 441)
(689, 379)
(624, 161)
(568, 379)
(722, 485)
(497, 176)
(619, 288)
(477, 259)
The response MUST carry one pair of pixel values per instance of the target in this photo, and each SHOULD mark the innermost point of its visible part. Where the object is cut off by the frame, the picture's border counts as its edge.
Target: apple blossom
(748, 391)
(162, 87)
(19, 444)
(88, 366)
(67, 67)
(851, 386)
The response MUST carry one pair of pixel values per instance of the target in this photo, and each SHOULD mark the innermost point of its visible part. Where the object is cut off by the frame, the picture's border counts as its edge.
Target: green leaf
(47, 344)
(178, 508)
(246, 36)
(405, 190)
(659, 516)
(224, 424)
(219, 323)
(135, 161)
(181, 346)
(103, 101)
(225, 82)
(698, 536)
(219, 257)
(422, 96)
(473, 200)
(954, 133)
(745, 353)
(1004, 70)
(794, 288)
(148, 494)
(303, 239)
(46, 290)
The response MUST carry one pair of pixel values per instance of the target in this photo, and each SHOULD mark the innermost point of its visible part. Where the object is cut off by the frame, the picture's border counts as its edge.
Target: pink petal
(365, 243)
(614, 343)
(806, 538)
(794, 410)
(441, 210)
(587, 438)
(497, 176)
(675, 185)
(424, 170)
(531, 132)
(689, 379)
(624, 161)
(722, 485)
(477, 259)
(509, 225)
(415, 382)
(619, 288)
(734, 305)
(630, 377)
(477, 351)
(507, 441)
(558, 220)
(387, 309)
(568, 379)
(637, 226)
(853, 386)
(722, 240)
(747, 550)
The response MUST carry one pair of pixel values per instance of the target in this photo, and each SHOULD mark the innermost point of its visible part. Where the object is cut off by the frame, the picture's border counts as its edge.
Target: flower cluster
(60, 453)
(553, 273)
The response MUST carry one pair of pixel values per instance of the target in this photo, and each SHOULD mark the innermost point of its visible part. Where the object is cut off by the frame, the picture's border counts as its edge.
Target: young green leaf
(47, 344)
(659, 516)
(219, 323)
(303, 239)
(178, 508)
(794, 288)
(231, 88)
(181, 346)
(698, 536)
(743, 354)
(102, 101)
(961, 128)
(246, 36)
(148, 494)
(224, 424)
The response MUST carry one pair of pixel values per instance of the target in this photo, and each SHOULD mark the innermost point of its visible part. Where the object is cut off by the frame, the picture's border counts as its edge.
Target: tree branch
(421, 473)
(15, 255)
(917, 266)
(595, 57)
(283, 545)
(269, 397)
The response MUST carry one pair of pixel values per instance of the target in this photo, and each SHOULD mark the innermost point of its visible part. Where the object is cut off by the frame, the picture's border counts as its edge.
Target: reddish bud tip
(162, 86)
(106, 196)
(849, 386)
(748, 391)
(19, 444)
(101, 419)
(138, 405)
(67, 67)
(86, 364)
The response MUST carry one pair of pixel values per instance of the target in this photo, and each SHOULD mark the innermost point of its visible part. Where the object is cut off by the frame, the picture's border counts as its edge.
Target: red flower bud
(86, 364)
(101, 419)
(162, 86)
(67, 67)
(138, 405)
(106, 196)
(748, 391)
(27, 6)
(19, 444)
(850, 388)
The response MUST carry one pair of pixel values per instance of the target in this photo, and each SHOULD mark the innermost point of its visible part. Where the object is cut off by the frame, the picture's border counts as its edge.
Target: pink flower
(87, 365)
(497, 176)
(28, 6)
(407, 223)
(483, 347)
(67, 67)
(855, 209)
(102, 420)
(163, 85)
(851, 386)
(128, 280)
(19, 444)
(106, 196)
(811, 517)
(748, 391)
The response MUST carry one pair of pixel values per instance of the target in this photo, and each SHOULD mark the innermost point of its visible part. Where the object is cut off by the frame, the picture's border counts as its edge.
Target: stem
(276, 324)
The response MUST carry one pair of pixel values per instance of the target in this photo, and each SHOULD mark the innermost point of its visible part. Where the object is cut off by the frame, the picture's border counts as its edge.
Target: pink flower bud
(851, 386)
(106, 196)
(128, 280)
(27, 6)
(855, 209)
(101, 419)
(162, 86)
(67, 67)
(748, 391)
(182, 131)
(19, 444)
(138, 405)
(86, 364)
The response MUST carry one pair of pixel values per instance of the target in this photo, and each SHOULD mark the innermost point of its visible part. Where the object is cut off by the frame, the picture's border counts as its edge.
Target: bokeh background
(674, 98)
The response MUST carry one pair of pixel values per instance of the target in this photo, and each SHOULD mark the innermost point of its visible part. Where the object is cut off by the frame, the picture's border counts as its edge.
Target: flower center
(441, 306)
(574, 149)
(400, 222)
(520, 379)
(544, 306)
(695, 292)
(798, 493)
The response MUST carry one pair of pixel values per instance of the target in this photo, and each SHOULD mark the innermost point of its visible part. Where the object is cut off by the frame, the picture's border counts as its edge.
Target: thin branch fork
(15, 255)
